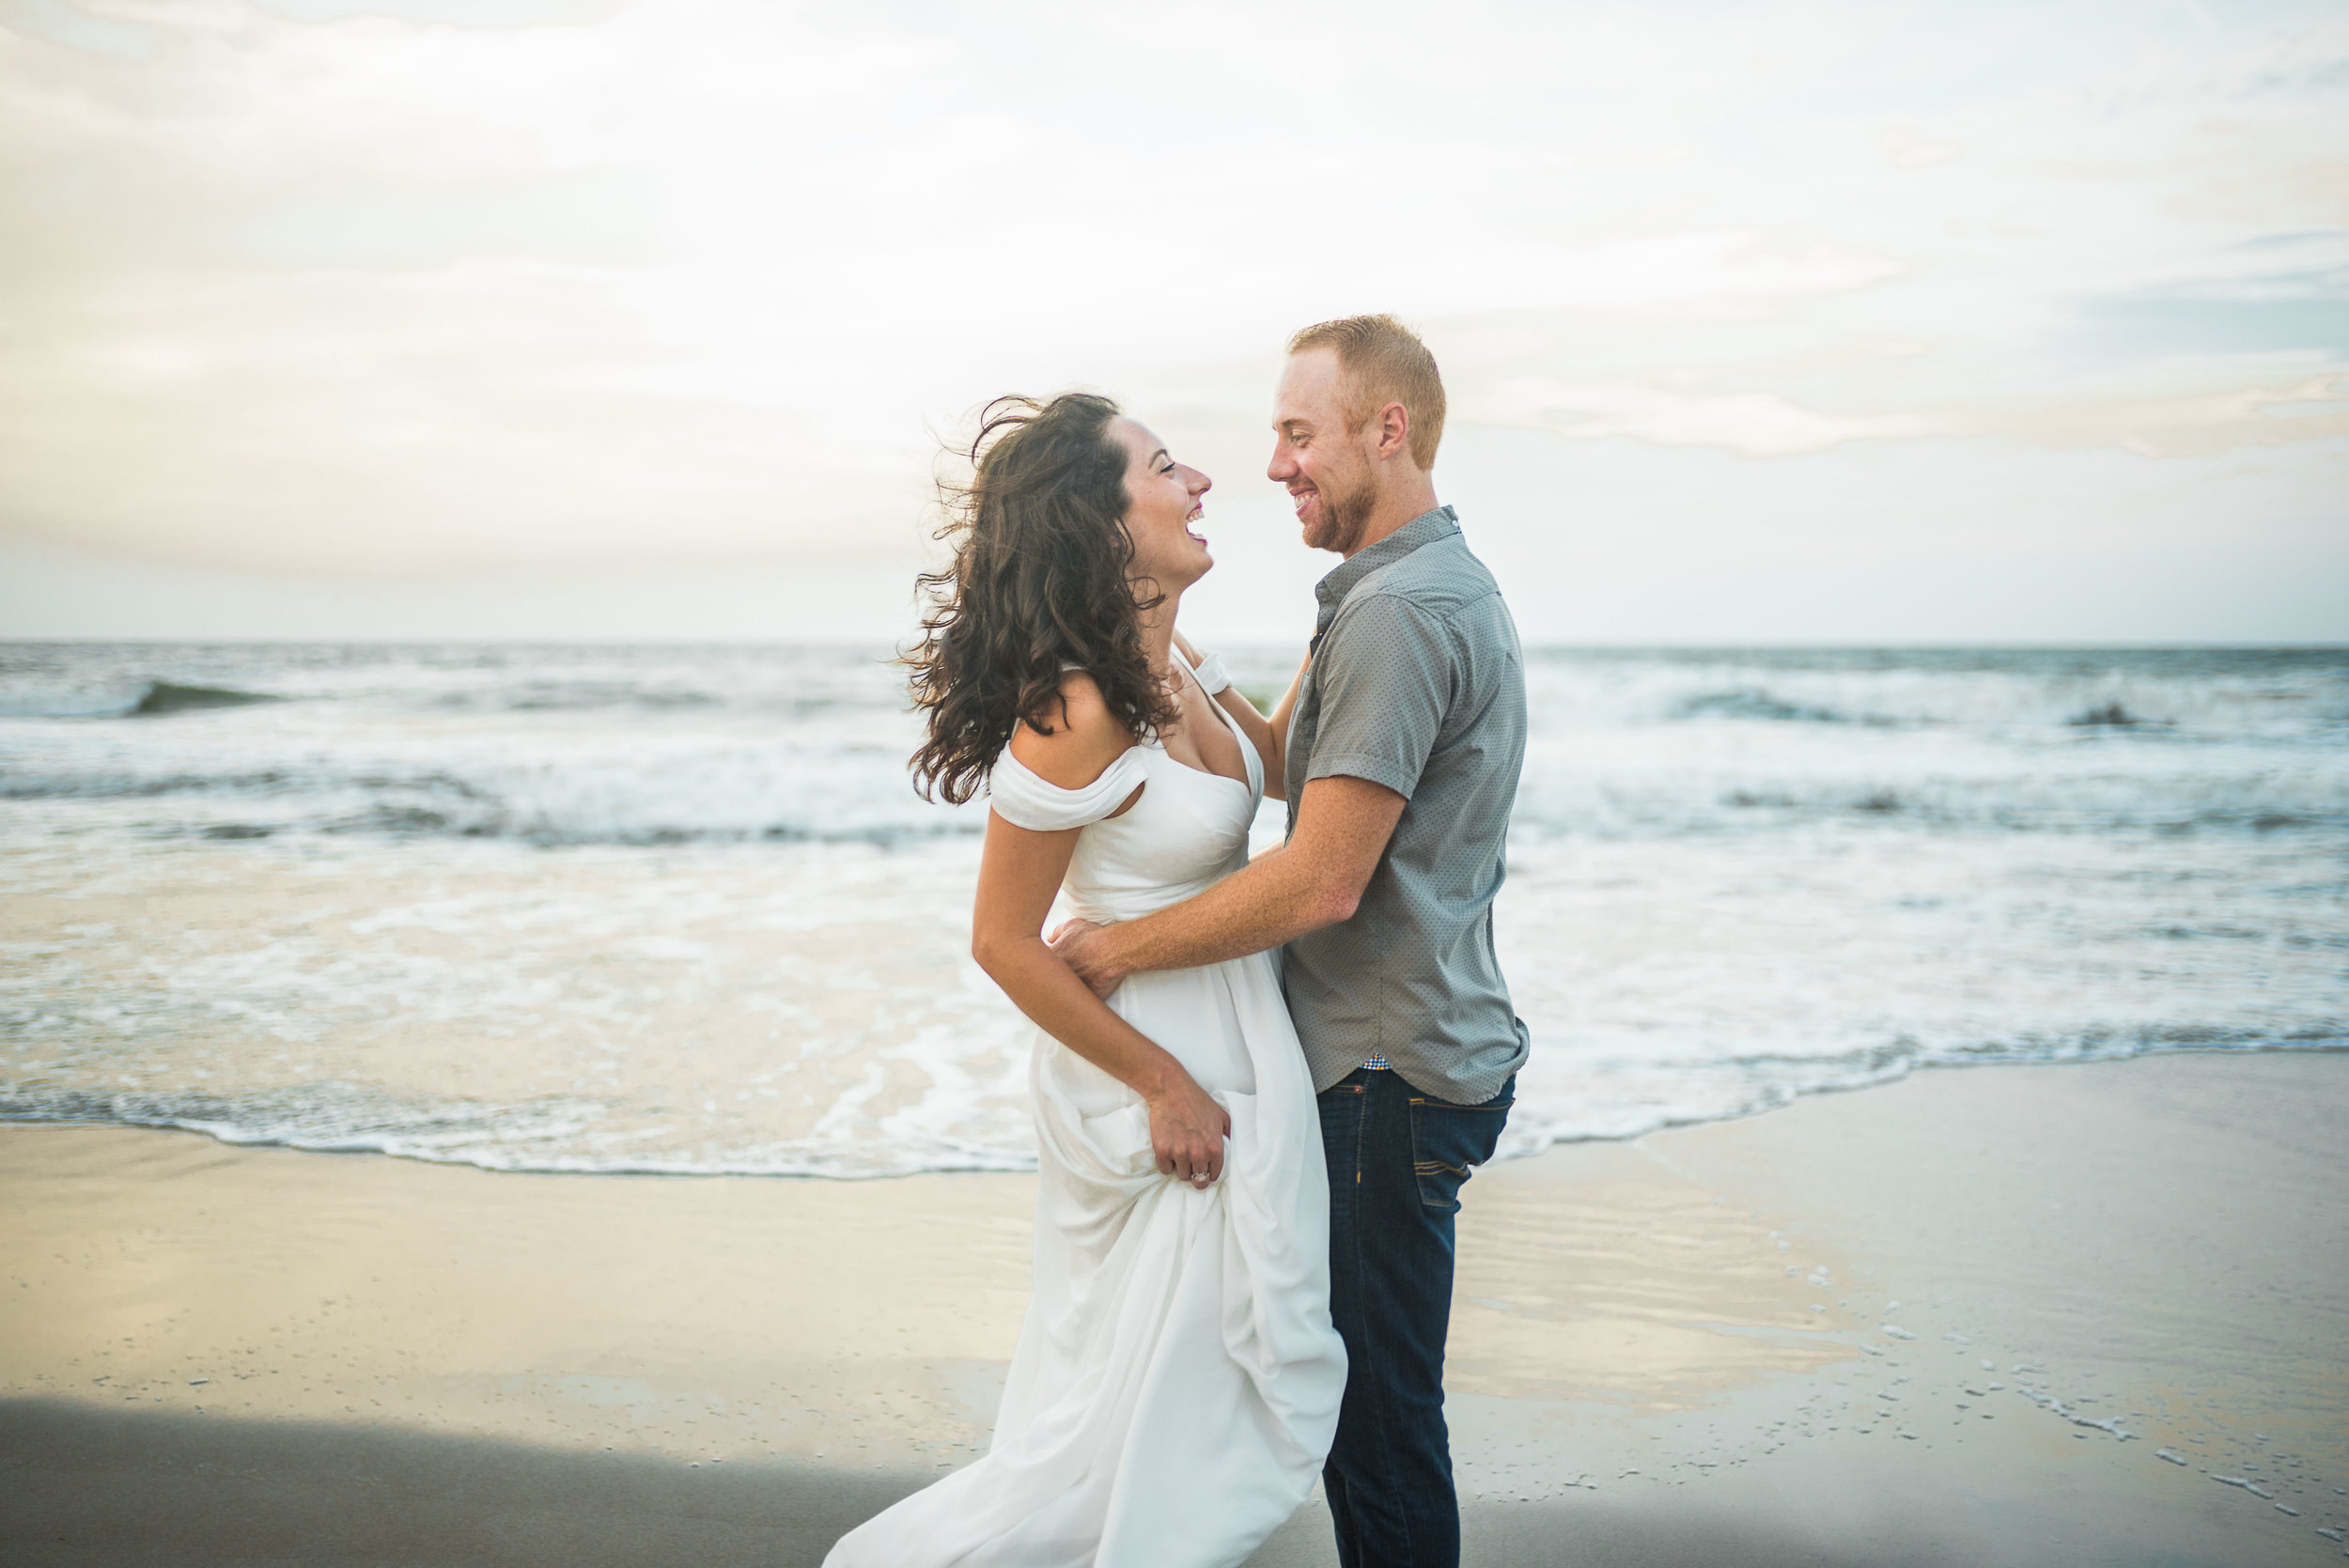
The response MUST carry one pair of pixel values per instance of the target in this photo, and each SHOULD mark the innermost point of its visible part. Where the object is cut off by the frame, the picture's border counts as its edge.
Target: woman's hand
(1186, 1129)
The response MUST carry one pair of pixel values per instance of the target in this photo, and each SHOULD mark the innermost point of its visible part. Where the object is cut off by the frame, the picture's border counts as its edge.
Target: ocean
(664, 909)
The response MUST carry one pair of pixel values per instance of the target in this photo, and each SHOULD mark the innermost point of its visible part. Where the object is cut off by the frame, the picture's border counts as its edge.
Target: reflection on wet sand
(1991, 1372)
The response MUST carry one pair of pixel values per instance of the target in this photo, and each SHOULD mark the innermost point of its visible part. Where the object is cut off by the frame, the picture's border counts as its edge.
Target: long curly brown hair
(1042, 578)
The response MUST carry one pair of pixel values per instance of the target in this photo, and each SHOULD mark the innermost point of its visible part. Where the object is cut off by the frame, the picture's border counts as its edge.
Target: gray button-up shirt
(1418, 684)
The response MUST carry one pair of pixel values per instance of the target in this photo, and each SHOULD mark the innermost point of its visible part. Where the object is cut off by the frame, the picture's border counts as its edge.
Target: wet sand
(1756, 1343)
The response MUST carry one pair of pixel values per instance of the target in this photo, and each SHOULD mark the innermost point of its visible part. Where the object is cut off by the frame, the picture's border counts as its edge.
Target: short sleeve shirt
(1418, 684)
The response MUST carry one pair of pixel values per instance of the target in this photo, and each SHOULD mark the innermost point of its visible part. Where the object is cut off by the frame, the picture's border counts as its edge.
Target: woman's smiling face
(1164, 503)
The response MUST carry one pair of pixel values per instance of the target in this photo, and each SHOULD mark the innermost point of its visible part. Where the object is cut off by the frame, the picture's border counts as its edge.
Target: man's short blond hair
(1384, 362)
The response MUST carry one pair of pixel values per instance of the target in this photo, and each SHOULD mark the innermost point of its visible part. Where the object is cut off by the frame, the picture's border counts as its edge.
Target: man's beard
(1345, 516)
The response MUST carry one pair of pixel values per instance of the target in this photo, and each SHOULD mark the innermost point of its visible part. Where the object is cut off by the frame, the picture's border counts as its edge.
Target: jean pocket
(1448, 1142)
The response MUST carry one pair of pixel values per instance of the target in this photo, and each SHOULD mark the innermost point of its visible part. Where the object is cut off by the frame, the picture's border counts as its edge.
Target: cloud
(590, 215)
(1904, 146)
(403, 285)
(2195, 425)
(1751, 424)
(54, 22)
(2283, 294)
(455, 13)
(1766, 425)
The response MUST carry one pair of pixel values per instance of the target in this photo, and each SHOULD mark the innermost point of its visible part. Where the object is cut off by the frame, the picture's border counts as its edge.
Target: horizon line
(1745, 644)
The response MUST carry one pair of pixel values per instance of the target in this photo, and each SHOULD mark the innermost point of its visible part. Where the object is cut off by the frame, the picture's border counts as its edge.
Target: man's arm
(1316, 879)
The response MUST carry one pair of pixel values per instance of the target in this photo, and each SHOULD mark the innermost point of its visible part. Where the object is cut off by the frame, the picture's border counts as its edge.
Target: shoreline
(2328, 1045)
(1672, 1346)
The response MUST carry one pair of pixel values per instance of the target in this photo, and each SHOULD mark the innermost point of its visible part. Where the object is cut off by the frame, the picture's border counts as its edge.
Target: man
(1403, 760)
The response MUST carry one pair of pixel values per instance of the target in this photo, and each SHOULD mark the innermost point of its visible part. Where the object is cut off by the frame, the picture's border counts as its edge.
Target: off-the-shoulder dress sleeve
(1026, 799)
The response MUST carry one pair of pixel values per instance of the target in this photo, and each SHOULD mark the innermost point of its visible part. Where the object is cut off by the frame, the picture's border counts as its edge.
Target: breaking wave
(681, 909)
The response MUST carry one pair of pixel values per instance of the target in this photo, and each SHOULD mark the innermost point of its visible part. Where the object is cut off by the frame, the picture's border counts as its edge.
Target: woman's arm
(1276, 765)
(1019, 871)
(1268, 736)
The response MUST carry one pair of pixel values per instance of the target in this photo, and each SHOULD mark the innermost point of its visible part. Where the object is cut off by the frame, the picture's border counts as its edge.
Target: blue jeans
(1397, 1159)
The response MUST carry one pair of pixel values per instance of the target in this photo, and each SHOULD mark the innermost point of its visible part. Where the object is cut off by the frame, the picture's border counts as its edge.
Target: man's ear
(1394, 429)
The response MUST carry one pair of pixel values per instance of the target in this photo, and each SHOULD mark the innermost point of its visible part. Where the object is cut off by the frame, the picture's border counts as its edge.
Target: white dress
(1177, 1381)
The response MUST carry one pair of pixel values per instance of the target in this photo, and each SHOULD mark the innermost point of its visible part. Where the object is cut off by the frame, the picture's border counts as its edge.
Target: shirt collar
(1426, 528)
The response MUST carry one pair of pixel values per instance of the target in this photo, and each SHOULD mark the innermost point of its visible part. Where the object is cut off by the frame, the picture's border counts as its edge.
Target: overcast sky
(1787, 322)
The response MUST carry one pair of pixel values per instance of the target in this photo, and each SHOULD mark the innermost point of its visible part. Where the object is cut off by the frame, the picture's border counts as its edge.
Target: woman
(1177, 1381)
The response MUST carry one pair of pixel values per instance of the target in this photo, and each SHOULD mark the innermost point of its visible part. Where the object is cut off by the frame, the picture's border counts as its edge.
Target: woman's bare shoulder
(1084, 737)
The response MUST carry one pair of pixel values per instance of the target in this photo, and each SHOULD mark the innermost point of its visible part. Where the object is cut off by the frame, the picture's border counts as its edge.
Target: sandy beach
(2048, 1314)
(507, 1053)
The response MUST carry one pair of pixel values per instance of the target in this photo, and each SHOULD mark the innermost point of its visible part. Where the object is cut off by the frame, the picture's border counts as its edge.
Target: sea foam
(681, 909)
